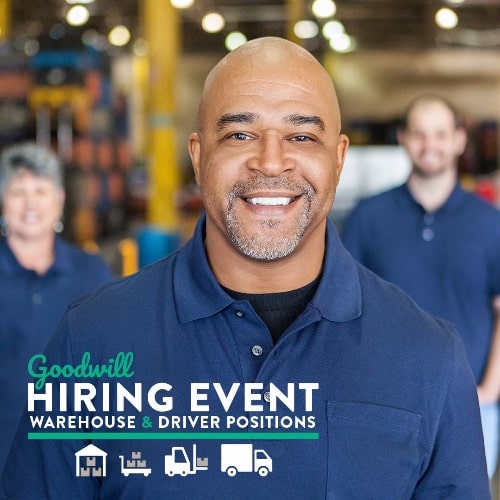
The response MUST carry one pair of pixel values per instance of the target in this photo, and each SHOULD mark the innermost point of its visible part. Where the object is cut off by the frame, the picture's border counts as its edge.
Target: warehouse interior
(94, 99)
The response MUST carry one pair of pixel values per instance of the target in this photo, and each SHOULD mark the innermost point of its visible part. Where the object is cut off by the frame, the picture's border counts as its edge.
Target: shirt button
(428, 234)
(257, 350)
(239, 313)
(267, 397)
(37, 298)
(429, 218)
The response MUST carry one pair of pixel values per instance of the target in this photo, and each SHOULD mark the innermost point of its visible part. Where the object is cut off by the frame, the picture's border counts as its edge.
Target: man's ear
(194, 153)
(342, 145)
(460, 140)
(401, 135)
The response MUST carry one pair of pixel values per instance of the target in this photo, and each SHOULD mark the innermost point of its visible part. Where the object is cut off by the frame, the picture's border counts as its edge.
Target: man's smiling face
(266, 156)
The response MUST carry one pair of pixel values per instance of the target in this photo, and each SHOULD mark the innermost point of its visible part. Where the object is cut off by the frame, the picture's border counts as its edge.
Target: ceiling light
(212, 22)
(446, 18)
(234, 40)
(78, 15)
(332, 28)
(119, 36)
(73, 2)
(182, 4)
(324, 8)
(305, 29)
(341, 43)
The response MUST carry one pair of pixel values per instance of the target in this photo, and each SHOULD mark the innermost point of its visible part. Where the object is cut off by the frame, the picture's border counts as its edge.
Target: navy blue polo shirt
(363, 396)
(448, 261)
(30, 308)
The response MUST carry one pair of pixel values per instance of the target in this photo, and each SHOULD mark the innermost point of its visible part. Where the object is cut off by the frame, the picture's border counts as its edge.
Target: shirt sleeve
(457, 465)
(45, 468)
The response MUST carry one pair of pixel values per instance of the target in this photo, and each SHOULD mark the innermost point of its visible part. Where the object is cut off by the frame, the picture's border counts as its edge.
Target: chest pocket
(372, 452)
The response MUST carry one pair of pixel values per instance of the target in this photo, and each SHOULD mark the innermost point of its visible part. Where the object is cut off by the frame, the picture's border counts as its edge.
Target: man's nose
(430, 142)
(270, 157)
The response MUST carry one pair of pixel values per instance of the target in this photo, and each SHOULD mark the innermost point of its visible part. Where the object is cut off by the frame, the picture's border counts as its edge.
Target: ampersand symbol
(146, 423)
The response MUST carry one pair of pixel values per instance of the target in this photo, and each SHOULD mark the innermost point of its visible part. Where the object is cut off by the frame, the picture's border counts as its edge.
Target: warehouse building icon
(90, 462)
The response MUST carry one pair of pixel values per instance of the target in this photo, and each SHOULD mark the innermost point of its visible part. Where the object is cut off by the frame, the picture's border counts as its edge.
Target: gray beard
(271, 247)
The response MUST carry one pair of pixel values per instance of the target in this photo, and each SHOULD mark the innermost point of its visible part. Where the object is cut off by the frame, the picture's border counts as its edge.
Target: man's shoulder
(480, 205)
(387, 305)
(383, 197)
(123, 293)
(79, 258)
(480, 218)
(379, 212)
(376, 207)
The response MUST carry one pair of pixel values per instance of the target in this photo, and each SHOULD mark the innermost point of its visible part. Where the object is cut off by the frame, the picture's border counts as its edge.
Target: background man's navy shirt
(448, 261)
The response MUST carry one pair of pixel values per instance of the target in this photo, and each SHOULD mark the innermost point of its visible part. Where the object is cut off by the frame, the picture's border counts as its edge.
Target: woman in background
(40, 274)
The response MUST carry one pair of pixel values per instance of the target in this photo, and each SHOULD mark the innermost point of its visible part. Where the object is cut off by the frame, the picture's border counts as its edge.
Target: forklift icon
(179, 462)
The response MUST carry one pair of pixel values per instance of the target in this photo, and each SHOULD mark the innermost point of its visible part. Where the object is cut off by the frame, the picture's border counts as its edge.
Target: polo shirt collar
(338, 297)
(456, 197)
(198, 294)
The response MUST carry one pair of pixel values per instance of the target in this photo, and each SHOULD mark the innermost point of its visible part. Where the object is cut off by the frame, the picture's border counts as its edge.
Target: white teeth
(31, 217)
(270, 202)
(430, 156)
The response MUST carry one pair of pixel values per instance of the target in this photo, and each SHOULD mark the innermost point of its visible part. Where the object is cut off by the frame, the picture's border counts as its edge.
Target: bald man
(259, 361)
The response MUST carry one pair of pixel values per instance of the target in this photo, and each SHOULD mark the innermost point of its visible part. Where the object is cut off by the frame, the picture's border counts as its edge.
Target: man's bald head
(268, 58)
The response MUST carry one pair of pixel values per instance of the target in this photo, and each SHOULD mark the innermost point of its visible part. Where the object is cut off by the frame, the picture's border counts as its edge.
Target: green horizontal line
(174, 435)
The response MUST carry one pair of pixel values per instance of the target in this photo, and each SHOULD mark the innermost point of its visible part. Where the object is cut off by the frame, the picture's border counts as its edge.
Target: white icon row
(234, 458)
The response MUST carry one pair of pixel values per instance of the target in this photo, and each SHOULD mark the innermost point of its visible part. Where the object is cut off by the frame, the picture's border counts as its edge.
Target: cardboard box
(96, 472)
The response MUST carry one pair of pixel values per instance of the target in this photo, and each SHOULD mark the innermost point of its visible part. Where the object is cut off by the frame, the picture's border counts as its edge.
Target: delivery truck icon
(236, 458)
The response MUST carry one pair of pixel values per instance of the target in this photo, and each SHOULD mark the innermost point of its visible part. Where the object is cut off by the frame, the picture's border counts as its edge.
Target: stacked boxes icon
(136, 462)
(134, 465)
(91, 468)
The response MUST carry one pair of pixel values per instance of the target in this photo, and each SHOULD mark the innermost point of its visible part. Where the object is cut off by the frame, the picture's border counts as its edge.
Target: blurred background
(113, 86)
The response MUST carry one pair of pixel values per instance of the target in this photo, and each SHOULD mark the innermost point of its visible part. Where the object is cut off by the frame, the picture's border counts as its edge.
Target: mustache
(262, 183)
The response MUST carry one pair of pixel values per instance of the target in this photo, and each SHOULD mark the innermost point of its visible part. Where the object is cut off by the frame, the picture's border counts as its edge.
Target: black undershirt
(278, 310)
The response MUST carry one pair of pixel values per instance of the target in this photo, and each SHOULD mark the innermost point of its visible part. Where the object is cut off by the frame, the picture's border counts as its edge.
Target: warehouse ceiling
(406, 25)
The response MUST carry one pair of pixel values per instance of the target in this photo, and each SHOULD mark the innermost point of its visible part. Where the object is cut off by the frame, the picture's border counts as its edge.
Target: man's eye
(301, 138)
(239, 136)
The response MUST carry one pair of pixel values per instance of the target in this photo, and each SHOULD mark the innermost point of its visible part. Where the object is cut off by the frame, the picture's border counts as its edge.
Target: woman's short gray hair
(31, 157)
